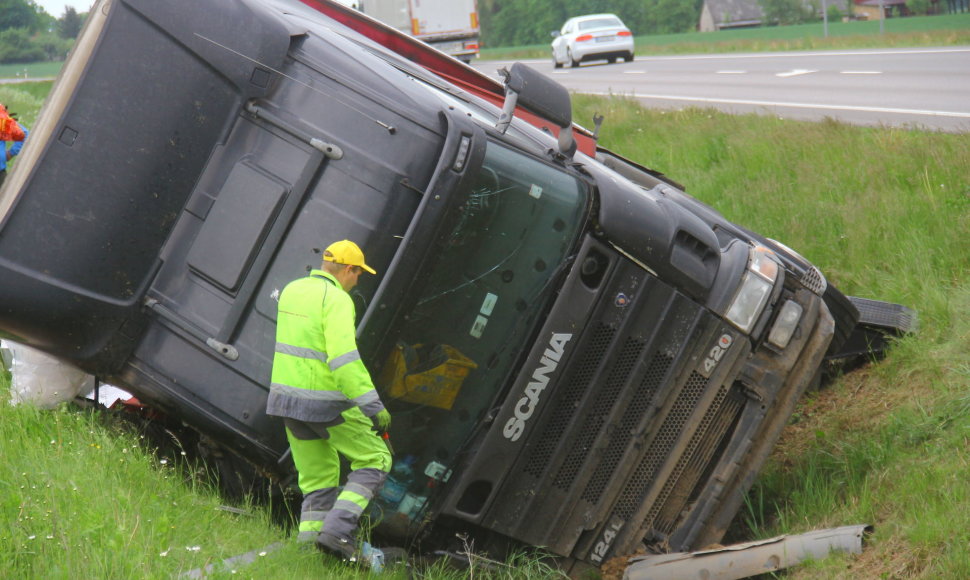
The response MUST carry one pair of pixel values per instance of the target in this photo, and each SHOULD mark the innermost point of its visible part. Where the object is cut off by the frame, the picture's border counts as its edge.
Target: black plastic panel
(236, 225)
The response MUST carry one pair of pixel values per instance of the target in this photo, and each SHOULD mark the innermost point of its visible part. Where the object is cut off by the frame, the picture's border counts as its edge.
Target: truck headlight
(785, 324)
(754, 290)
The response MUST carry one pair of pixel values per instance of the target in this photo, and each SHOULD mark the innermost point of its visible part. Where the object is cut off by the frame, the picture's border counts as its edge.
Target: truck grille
(596, 417)
(569, 400)
(634, 429)
(679, 490)
(633, 414)
(667, 435)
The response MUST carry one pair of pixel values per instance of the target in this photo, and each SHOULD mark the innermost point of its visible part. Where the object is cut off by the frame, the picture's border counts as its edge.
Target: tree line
(525, 22)
(522, 22)
(29, 34)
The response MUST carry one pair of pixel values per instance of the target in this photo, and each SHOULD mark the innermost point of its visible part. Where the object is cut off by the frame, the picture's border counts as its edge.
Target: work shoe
(340, 547)
(344, 549)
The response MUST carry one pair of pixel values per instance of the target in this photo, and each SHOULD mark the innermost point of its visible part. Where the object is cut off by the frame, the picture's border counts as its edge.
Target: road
(920, 87)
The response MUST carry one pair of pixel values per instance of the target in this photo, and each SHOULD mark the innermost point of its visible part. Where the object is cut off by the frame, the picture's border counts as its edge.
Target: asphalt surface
(927, 88)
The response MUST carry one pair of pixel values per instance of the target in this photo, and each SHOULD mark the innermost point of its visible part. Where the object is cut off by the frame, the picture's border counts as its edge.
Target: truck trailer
(577, 355)
(450, 26)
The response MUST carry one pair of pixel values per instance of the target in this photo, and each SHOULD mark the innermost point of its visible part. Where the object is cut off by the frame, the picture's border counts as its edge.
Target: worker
(11, 131)
(328, 403)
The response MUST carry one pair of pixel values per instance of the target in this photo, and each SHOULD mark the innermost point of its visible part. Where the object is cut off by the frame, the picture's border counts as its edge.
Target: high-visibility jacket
(317, 371)
(9, 129)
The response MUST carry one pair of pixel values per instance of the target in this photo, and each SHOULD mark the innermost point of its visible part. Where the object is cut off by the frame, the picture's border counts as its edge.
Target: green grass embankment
(82, 497)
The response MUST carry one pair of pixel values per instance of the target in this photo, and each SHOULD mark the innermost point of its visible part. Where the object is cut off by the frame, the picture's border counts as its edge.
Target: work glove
(382, 421)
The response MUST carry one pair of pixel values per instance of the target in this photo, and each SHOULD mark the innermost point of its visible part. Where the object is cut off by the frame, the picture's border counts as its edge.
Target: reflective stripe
(344, 359)
(313, 516)
(308, 394)
(299, 351)
(307, 536)
(371, 409)
(367, 398)
(348, 506)
(362, 491)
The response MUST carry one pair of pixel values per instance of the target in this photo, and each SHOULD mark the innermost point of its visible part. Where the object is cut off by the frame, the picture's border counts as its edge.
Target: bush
(54, 47)
(919, 7)
(17, 45)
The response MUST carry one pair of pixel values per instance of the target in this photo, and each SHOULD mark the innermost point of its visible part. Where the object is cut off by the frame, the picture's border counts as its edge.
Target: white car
(592, 37)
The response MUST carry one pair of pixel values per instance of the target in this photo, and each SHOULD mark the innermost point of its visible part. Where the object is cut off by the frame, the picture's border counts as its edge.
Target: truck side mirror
(541, 95)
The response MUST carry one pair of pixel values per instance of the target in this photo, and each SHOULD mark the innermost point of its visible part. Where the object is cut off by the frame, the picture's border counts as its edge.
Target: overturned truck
(577, 354)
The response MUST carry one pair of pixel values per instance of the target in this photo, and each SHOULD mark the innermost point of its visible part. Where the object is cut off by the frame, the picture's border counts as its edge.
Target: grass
(25, 99)
(945, 30)
(83, 500)
(82, 497)
(33, 70)
(885, 213)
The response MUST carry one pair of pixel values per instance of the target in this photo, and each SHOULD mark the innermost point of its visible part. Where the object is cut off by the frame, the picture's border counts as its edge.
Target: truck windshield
(494, 274)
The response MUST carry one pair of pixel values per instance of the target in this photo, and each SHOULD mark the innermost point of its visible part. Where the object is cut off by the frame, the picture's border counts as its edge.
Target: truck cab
(577, 355)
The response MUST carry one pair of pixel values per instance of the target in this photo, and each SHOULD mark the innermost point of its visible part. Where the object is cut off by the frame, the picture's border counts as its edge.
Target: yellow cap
(346, 252)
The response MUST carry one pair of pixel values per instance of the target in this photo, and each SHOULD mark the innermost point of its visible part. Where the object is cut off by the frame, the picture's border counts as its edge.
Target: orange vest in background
(9, 129)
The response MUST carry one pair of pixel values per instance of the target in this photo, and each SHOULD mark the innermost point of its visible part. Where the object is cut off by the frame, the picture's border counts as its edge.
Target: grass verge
(25, 99)
(31, 70)
(84, 498)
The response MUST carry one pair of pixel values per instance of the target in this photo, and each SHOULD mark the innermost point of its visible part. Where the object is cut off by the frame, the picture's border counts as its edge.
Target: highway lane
(921, 87)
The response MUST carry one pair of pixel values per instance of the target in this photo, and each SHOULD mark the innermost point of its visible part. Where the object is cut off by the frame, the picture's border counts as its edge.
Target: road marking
(733, 56)
(634, 72)
(560, 72)
(801, 54)
(957, 114)
(861, 72)
(732, 72)
(795, 72)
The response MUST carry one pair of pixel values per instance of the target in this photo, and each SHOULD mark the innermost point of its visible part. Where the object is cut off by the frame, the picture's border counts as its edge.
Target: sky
(56, 7)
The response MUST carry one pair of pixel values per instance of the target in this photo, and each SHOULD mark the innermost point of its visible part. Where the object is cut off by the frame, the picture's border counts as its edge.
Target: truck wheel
(569, 57)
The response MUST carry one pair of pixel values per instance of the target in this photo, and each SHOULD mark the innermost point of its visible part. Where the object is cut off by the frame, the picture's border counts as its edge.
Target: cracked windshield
(511, 237)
